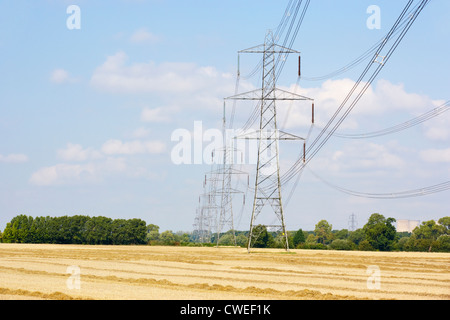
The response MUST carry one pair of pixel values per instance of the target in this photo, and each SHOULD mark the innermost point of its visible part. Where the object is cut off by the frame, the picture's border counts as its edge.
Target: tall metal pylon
(267, 191)
(207, 211)
(226, 191)
(216, 204)
(352, 223)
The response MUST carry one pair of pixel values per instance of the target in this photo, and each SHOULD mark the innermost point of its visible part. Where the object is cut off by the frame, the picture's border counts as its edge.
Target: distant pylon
(268, 184)
(352, 223)
(226, 191)
(206, 218)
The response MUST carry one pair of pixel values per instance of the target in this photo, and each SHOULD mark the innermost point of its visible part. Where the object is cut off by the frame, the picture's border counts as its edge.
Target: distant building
(407, 225)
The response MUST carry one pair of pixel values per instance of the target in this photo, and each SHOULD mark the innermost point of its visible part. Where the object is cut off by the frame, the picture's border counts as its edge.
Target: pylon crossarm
(278, 94)
(263, 48)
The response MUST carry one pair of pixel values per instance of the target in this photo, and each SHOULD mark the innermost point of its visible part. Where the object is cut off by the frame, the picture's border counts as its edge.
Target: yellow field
(178, 273)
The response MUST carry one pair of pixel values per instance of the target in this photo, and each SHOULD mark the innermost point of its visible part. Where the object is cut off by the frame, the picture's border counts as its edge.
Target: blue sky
(86, 116)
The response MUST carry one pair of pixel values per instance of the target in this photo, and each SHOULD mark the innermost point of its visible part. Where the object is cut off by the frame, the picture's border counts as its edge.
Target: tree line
(378, 234)
(77, 229)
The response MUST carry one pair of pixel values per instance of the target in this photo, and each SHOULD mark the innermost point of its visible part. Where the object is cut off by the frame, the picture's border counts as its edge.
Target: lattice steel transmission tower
(352, 222)
(267, 193)
(206, 218)
(226, 191)
(216, 203)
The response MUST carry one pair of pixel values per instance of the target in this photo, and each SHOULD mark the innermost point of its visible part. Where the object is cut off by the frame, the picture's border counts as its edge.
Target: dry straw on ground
(177, 273)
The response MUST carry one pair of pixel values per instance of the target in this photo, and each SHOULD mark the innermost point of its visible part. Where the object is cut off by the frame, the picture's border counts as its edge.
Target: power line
(400, 127)
(365, 86)
(319, 141)
(391, 195)
(358, 60)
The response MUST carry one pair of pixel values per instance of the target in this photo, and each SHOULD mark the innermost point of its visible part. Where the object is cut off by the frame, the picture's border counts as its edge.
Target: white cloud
(436, 155)
(90, 172)
(358, 156)
(169, 79)
(75, 152)
(60, 76)
(115, 158)
(112, 147)
(381, 100)
(142, 36)
(327, 99)
(438, 129)
(140, 133)
(155, 115)
(389, 97)
(371, 155)
(13, 158)
(63, 174)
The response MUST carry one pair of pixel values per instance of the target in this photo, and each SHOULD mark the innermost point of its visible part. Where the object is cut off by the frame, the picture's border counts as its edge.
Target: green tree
(119, 232)
(299, 237)
(51, 229)
(226, 240)
(341, 234)
(76, 228)
(262, 238)
(402, 244)
(152, 228)
(380, 232)
(41, 226)
(364, 245)
(442, 243)
(279, 241)
(98, 230)
(357, 236)
(19, 230)
(185, 238)
(152, 233)
(135, 231)
(311, 243)
(445, 223)
(424, 236)
(342, 244)
(62, 234)
(241, 240)
(323, 232)
(167, 237)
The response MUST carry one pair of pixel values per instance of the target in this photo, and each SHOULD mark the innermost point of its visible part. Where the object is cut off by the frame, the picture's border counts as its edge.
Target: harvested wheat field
(177, 273)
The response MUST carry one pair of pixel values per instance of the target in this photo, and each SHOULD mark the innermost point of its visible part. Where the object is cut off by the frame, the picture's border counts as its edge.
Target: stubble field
(197, 273)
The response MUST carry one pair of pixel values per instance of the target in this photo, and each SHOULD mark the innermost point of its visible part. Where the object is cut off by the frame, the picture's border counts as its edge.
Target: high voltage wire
(289, 26)
(319, 141)
(358, 60)
(400, 127)
(405, 20)
(401, 27)
(392, 195)
(359, 81)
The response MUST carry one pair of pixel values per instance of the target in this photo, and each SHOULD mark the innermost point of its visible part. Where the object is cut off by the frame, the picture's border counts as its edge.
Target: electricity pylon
(226, 191)
(216, 204)
(352, 223)
(206, 218)
(267, 183)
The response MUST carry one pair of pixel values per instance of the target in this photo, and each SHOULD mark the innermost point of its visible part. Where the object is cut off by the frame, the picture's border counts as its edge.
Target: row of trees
(379, 233)
(75, 230)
